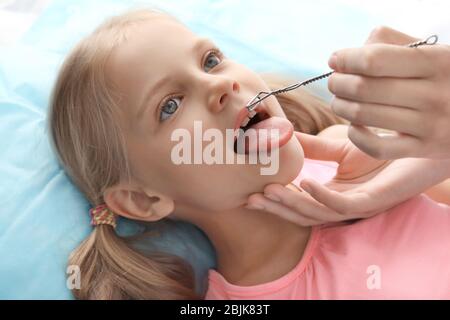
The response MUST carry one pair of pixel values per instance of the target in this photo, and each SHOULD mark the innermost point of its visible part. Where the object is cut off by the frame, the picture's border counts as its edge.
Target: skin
(439, 193)
(384, 85)
(387, 85)
(252, 246)
(362, 187)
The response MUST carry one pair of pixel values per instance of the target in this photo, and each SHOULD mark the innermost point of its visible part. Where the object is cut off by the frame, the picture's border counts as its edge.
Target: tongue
(271, 133)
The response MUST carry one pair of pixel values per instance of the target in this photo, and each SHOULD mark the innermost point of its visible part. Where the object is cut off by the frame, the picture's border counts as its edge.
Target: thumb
(389, 36)
(319, 148)
(339, 202)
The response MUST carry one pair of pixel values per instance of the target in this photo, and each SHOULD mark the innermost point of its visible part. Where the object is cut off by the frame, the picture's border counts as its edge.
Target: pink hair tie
(101, 214)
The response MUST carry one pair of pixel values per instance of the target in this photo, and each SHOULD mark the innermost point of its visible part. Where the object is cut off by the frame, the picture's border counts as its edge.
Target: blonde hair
(92, 149)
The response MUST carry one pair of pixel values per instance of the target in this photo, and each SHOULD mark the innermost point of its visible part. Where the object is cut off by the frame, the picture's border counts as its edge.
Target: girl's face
(168, 78)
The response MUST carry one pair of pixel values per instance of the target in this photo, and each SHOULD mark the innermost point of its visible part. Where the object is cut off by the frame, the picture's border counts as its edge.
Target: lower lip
(267, 140)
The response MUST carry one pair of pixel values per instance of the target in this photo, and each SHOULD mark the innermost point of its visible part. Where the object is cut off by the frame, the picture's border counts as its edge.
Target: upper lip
(243, 113)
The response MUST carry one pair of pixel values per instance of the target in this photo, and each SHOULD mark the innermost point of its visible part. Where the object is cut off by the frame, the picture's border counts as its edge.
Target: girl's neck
(253, 247)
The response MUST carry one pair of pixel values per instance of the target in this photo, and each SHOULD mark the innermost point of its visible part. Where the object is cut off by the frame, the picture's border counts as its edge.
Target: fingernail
(333, 61)
(254, 207)
(272, 197)
(306, 188)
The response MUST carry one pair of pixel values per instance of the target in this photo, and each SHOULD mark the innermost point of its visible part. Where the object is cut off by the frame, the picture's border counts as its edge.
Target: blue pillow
(44, 216)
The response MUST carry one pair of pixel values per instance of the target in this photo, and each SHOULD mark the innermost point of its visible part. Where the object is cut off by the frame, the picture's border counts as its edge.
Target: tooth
(245, 122)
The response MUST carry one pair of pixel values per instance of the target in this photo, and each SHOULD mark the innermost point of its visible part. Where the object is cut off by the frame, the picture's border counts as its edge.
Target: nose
(220, 93)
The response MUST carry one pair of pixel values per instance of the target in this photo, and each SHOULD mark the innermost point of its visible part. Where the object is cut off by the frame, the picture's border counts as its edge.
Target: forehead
(155, 38)
(152, 49)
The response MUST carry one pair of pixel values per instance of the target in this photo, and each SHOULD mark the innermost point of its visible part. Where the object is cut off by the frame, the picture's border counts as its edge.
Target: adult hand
(387, 85)
(362, 187)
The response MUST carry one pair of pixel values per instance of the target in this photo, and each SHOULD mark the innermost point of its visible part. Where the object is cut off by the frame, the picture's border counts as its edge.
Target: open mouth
(250, 120)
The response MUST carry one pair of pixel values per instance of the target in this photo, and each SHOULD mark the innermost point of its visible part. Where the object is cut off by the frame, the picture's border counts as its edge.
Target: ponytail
(111, 270)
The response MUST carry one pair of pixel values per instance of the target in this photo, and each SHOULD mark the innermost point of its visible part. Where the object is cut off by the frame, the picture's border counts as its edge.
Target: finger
(412, 93)
(384, 60)
(320, 148)
(282, 211)
(388, 35)
(396, 184)
(302, 203)
(399, 119)
(384, 147)
(350, 207)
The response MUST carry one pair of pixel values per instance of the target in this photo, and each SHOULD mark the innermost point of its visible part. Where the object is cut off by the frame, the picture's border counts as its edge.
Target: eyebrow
(145, 102)
(164, 80)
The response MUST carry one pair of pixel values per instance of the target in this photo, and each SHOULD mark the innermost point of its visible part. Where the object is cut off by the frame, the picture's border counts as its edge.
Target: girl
(118, 98)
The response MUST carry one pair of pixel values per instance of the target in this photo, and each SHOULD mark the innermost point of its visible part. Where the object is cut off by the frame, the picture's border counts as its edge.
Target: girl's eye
(212, 60)
(169, 107)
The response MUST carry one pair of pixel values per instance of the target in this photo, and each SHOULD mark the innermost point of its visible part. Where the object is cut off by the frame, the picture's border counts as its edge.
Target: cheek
(249, 79)
(225, 187)
(207, 188)
(291, 160)
(290, 163)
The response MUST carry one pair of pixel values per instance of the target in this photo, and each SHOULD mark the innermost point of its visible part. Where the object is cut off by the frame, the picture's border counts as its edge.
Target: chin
(290, 164)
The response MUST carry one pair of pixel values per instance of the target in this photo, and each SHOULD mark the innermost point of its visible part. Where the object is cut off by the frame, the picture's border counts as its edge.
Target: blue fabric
(43, 216)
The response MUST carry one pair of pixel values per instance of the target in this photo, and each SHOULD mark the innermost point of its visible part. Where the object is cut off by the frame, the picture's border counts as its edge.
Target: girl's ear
(138, 204)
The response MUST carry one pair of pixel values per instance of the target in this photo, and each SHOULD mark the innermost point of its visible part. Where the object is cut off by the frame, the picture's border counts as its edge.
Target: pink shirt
(403, 253)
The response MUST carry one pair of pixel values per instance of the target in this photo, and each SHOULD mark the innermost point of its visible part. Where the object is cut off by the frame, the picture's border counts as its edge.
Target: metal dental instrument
(251, 105)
